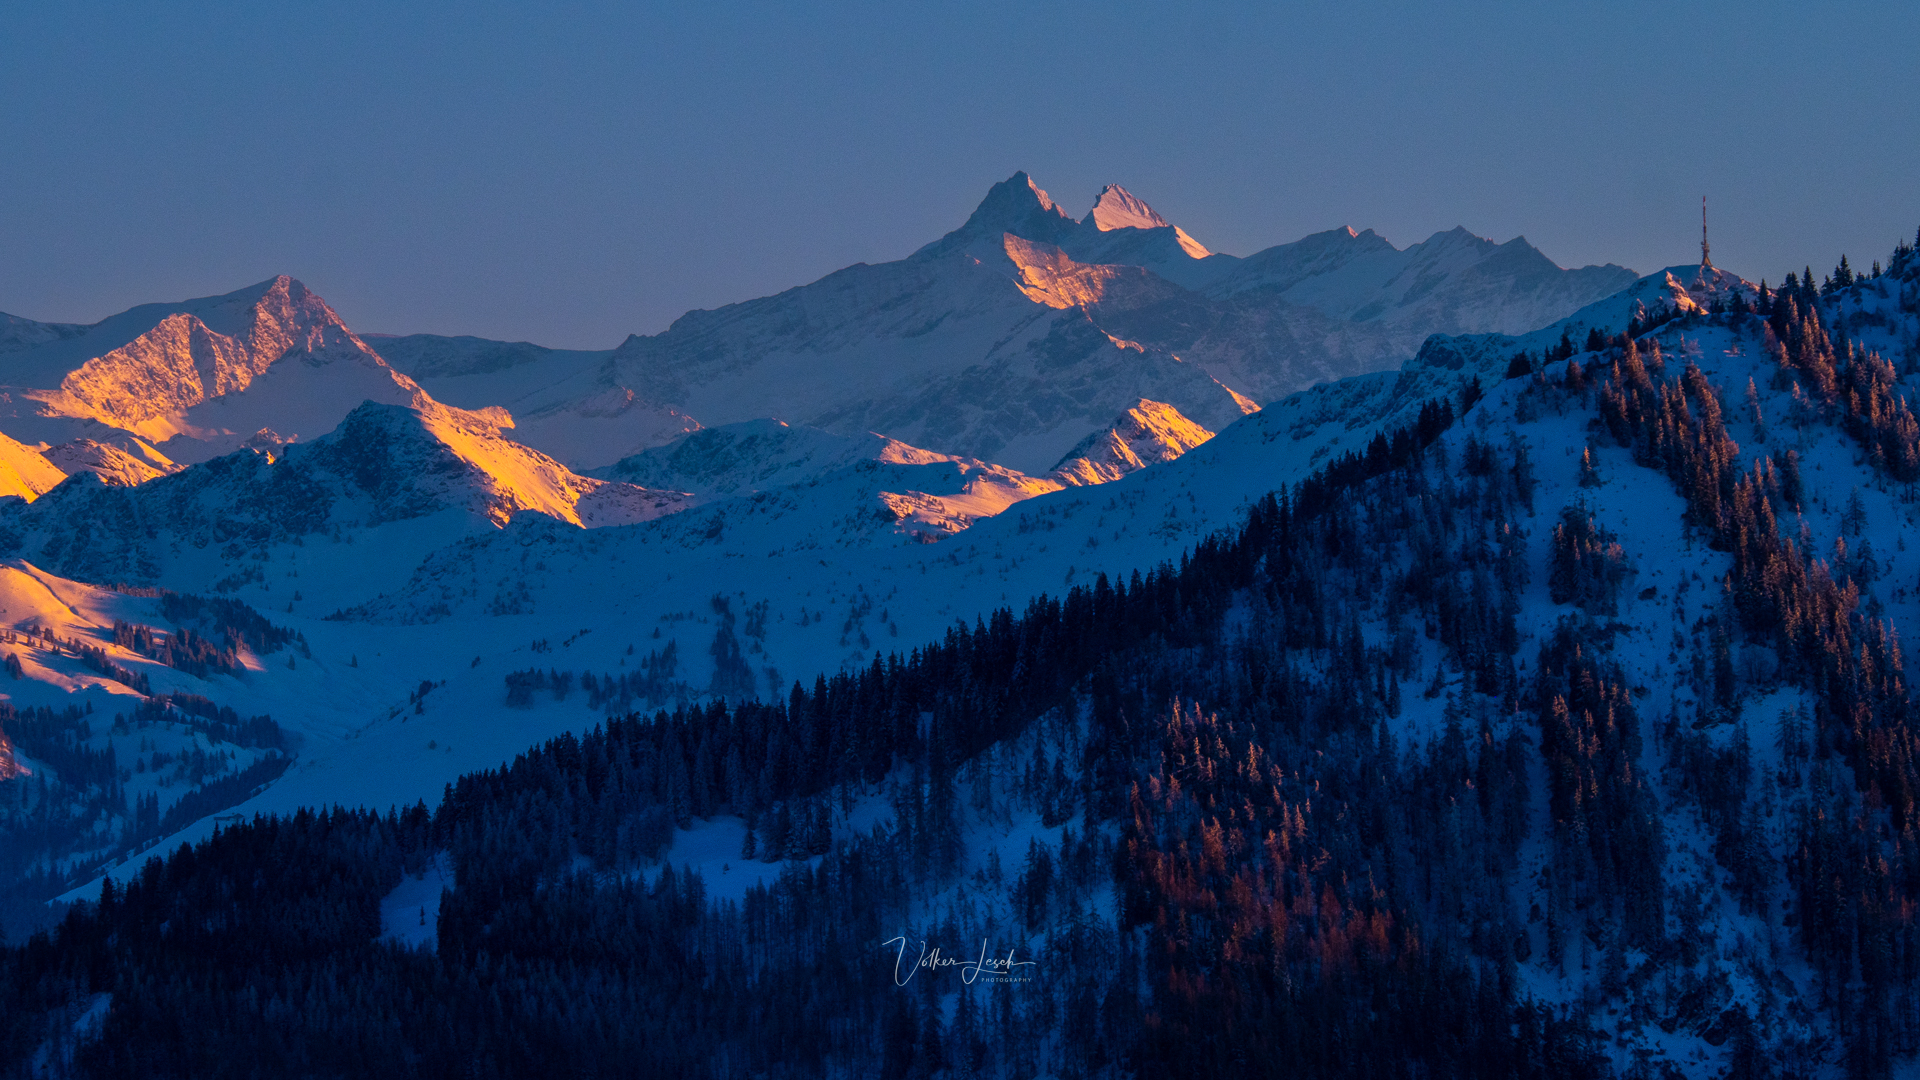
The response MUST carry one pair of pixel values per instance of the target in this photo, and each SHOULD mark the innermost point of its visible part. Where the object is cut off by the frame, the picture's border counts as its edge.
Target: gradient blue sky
(567, 173)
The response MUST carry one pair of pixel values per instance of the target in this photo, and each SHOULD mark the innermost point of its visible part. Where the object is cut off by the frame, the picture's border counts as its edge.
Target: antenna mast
(1706, 262)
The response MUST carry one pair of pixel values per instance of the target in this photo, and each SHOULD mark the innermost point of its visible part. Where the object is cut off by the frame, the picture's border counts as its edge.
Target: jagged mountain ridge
(201, 377)
(937, 351)
(953, 355)
(1346, 303)
(757, 455)
(1333, 304)
(1009, 340)
(1149, 433)
(385, 465)
(1120, 229)
(129, 464)
(566, 403)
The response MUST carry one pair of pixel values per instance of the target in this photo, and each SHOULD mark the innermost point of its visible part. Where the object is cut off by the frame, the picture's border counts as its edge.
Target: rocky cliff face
(1149, 433)
(199, 377)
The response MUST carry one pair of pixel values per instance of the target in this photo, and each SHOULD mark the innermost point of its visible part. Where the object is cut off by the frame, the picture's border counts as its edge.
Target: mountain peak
(1344, 238)
(1015, 205)
(1118, 208)
(1017, 202)
(1460, 237)
(416, 459)
(1020, 179)
(1148, 433)
(154, 363)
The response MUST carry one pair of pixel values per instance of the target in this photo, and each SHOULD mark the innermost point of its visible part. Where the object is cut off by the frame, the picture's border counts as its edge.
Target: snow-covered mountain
(1452, 278)
(914, 494)
(791, 517)
(813, 528)
(18, 333)
(1018, 335)
(397, 479)
(805, 529)
(758, 455)
(565, 402)
(1148, 433)
(1330, 305)
(25, 471)
(1345, 303)
(929, 495)
(198, 378)
(1121, 229)
(424, 357)
(990, 357)
(1010, 340)
(128, 463)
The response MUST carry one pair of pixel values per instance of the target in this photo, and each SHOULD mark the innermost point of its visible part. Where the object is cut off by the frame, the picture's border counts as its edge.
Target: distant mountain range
(1009, 340)
(1029, 349)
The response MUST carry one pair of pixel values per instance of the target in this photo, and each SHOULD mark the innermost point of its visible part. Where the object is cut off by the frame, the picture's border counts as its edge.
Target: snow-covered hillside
(83, 693)
(128, 464)
(569, 404)
(26, 472)
(772, 580)
(758, 455)
(840, 578)
(1677, 290)
(807, 552)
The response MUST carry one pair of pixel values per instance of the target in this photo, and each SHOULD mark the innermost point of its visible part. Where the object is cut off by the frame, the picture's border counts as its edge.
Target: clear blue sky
(570, 172)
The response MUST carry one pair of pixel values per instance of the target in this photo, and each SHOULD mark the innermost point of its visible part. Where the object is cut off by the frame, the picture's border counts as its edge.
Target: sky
(572, 172)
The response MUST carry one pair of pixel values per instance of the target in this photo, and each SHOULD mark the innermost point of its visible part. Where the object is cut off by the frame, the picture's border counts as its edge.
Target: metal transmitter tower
(1706, 261)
